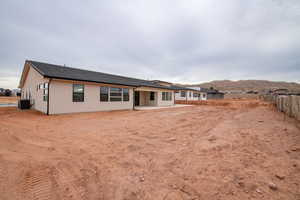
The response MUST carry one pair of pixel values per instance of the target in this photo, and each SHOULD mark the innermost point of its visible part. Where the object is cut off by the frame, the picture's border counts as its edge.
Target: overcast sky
(174, 40)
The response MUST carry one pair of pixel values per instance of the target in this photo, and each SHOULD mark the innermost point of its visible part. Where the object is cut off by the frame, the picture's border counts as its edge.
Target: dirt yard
(242, 150)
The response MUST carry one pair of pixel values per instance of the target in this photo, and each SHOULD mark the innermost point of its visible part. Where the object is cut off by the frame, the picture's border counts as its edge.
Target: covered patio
(153, 97)
(145, 98)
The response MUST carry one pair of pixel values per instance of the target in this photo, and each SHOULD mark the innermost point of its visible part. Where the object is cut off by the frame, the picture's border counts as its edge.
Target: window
(44, 87)
(166, 96)
(104, 93)
(45, 95)
(125, 94)
(78, 93)
(183, 94)
(115, 94)
(204, 96)
(196, 95)
(190, 94)
(152, 96)
(170, 96)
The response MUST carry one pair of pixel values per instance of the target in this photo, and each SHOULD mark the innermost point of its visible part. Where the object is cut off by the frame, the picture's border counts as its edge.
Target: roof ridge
(116, 75)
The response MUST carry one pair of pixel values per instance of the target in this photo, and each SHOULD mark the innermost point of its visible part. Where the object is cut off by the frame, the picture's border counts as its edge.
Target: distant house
(2, 91)
(213, 93)
(55, 89)
(190, 94)
(184, 93)
(280, 91)
(16, 92)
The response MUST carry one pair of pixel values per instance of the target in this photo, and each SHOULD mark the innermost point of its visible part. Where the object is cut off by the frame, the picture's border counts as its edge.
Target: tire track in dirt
(3, 173)
(70, 184)
(38, 185)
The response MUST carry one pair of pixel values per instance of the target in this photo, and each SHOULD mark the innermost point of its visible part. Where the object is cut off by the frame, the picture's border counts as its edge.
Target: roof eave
(71, 79)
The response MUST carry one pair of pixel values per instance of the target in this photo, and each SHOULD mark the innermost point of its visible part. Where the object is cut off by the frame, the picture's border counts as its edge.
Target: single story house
(56, 89)
(184, 93)
(189, 94)
(213, 93)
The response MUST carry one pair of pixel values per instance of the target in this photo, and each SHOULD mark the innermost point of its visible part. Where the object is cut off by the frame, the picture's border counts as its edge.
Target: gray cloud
(180, 41)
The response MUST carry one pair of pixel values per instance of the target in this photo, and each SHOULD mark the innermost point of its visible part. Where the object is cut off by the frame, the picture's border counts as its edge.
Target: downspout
(174, 97)
(48, 96)
(133, 99)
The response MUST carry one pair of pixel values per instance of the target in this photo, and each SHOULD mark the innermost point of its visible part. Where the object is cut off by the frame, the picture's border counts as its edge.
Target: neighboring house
(213, 93)
(184, 93)
(2, 91)
(15, 92)
(188, 94)
(280, 91)
(201, 92)
(55, 89)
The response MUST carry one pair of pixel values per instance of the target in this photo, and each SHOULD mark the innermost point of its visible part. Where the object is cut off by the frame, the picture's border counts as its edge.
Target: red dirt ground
(234, 152)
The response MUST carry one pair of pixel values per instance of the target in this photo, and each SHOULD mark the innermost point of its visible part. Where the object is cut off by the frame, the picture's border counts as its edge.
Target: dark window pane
(125, 94)
(115, 94)
(152, 96)
(115, 89)
(104, 90)
(103, 97)
(103, 93)
(78, 97)
(163, 96)
(78, 93)
(183, 94)
(78, 88)
(115, 99)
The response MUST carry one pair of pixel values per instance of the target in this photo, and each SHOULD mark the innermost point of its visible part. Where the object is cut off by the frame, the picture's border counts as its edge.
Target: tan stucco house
(56, 89)
(184, 93)
(189, 94)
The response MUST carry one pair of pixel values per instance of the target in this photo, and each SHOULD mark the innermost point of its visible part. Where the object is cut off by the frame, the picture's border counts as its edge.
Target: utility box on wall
(24, 104)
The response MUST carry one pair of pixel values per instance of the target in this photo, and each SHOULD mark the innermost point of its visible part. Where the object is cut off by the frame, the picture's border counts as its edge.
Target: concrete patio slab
(159, 107)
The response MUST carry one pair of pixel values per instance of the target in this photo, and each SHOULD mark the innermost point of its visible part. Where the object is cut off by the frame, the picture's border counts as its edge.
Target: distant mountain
(248, 85)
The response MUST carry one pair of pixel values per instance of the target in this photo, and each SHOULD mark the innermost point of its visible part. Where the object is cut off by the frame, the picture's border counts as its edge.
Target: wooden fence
(289, 104)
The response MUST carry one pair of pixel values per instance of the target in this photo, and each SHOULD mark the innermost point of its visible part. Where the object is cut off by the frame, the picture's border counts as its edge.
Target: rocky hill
(248, 85)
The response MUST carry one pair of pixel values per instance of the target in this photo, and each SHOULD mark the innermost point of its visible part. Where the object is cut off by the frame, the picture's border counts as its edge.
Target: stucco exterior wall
(160, 102)
(30, 86)
(61, 99)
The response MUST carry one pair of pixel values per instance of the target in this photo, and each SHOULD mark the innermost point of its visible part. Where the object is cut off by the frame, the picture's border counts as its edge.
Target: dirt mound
(238, 103)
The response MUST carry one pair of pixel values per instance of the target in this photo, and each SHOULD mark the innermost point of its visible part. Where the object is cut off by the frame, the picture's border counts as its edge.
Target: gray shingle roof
(176, 87)
(68, 73)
